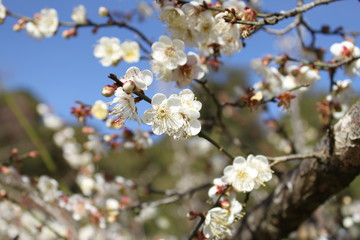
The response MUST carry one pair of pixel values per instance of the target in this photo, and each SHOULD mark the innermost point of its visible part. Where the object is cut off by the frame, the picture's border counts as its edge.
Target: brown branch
(307, 186)
(277, 160)
(110, 23)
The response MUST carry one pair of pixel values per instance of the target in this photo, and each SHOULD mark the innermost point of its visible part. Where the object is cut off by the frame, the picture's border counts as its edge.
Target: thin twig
(277, 160)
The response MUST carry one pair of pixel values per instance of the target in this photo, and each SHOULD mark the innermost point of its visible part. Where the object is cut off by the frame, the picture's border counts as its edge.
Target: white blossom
(79, 15)
(142, 79)
(261, 164)
(2, 13)
(109, 50)
(217, 225)
(125, 107)
(169, 52)
(131, 51)
(164, 116)
(245, 175)
(86, 184)
(177, 116)
(240, 175)
(44, 24)
(346, 50)
(100, 110)
(48, 187)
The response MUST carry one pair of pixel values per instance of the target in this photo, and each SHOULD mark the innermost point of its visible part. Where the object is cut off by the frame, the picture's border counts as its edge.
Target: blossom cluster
(171, 64)
(202, 28)
(275, 81)
(177, 115)
(244, 175)
(111, 51)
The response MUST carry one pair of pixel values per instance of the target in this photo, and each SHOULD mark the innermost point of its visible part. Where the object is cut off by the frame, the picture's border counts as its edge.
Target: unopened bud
(17, 27)
(88, 130)
(103, 12)
(69, 33)
(108, 91)
(128, 86)
(33, 154)
(192, 215)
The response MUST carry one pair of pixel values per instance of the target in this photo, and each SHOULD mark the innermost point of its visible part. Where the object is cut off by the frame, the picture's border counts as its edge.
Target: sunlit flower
(2, 13)
(79, 15)
(169, 52)
(245, 175)
(44, 24)
(343, 50)
(131, 51)
(125, 107)
(164, 116)
(48, 187)
(86, 184)
(184, 74)
(142, 79)
(261, 164)
(240, 175)
(109, 50)
(217, 225)
(100, 110)
(48, 22)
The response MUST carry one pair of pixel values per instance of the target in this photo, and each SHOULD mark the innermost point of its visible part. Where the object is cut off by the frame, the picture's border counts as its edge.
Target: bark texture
(307, 186)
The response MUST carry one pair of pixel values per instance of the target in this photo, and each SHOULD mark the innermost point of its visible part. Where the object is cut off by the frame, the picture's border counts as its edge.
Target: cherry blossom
(169, 52)
(2, 13)
(109, 50)
(79, 15)
(124, 108)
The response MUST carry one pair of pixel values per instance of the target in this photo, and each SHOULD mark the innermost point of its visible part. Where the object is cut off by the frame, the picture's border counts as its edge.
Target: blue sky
(59, 71)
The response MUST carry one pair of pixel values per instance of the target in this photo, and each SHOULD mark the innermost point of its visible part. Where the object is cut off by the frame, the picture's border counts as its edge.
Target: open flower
(109, 50)
(79, 15)
(131, 51)
(169, 52)
(2, 12)
(125, 107)
(100, 110)
(165, 115)
(245, 175)
(44, 24)
(217, 225)
(141, 79)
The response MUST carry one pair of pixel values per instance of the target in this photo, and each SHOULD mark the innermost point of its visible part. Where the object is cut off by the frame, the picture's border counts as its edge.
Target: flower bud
(17, 27)
(108, 91)
(103, 12)
(128, 86)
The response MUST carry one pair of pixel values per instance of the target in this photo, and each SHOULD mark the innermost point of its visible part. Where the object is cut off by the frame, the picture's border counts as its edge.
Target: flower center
(170, 52)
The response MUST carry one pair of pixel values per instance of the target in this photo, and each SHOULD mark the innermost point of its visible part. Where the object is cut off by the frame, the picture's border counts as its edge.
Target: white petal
(158, 99)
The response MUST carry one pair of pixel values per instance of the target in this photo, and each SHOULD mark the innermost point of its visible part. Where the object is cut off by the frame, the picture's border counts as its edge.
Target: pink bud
(108, 91)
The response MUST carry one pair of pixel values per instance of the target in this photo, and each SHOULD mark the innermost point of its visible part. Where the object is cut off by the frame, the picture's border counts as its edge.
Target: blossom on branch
(246, 175)
(124, 108)
(169, 52)
(2, 13)
(346, 50)
(177, 115)
(109, 50)
(44, 24)
(79, 15)
(219, 220)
